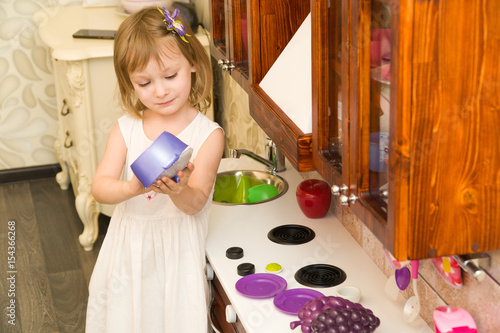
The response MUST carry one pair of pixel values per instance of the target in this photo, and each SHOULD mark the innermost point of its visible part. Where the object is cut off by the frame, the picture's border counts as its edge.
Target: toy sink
(236, 187)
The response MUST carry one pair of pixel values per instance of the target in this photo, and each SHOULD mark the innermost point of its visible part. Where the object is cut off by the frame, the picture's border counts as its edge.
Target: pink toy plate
(261, 285)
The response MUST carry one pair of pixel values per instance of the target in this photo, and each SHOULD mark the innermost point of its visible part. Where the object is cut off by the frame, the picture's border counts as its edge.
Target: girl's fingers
(169, 186)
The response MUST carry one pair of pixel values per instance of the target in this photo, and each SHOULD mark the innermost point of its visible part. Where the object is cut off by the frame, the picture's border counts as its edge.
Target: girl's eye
(171, 76)
(143, 84)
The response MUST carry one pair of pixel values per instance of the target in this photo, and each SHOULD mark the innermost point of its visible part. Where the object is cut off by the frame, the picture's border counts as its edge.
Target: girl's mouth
(166, 103)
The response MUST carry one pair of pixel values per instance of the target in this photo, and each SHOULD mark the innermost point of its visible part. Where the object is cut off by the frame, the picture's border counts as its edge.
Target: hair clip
(172, 24)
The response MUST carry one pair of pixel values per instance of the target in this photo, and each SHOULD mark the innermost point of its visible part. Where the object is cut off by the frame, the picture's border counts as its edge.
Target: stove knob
(230, 314)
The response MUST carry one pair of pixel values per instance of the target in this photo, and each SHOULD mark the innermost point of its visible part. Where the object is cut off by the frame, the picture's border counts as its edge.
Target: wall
(203, 12)
(27, 94)
(480, 299)
(233, 114)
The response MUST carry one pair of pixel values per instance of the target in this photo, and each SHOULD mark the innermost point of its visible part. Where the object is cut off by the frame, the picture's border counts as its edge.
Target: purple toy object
(166, 156)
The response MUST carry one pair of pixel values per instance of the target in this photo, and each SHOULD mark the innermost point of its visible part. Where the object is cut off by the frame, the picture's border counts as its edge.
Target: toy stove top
(317, 275)
(320, 276)
(291, 234)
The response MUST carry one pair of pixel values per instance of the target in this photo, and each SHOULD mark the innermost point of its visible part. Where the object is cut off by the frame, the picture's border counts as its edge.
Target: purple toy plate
(292, 300)
(260, 285)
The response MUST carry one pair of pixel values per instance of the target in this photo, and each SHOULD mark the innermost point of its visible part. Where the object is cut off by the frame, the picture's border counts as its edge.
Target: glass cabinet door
(333, 151)
(330, 108)
(231, 37)
(239, 36)
(379, 105)
(219, 27)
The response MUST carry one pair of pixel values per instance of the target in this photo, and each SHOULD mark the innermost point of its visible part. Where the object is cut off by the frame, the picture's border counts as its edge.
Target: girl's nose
(161, 90)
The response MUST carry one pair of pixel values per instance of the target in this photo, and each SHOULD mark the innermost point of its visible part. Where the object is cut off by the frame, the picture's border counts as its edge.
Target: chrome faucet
(274, 158)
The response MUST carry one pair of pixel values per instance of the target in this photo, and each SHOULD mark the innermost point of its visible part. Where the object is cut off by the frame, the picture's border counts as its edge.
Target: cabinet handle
(226, 65)
(68, 143)
(212, 307)
(210, 272)
(336, 190)
(65, 110)
(346, 200)
(230, 314)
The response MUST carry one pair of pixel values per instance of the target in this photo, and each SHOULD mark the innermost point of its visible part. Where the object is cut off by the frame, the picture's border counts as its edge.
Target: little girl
(150, 273)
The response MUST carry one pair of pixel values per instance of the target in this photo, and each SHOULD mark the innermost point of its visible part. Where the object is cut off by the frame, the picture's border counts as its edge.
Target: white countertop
(247, 227)
(57, 25)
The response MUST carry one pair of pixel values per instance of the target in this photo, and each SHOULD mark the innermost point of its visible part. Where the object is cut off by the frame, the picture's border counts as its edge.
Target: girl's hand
(169, 186)
(136, 187)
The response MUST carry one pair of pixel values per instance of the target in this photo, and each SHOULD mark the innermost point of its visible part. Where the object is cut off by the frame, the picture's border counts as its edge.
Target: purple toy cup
(166, 156)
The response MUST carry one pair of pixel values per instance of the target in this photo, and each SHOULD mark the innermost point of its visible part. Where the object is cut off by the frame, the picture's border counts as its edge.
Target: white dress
(150, 273)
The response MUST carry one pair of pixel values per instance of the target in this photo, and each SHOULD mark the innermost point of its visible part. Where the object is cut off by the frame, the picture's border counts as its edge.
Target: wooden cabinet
(417, 82)
(249, 35)
(230, 38)
(218, 310)
(247, 38)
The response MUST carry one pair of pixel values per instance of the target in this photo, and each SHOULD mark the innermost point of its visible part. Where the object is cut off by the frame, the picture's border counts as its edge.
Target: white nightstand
(86, 98)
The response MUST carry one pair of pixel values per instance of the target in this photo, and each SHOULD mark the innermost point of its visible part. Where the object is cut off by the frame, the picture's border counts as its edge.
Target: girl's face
(164, 87)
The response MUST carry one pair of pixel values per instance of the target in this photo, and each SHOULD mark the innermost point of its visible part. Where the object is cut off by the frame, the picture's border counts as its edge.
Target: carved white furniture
(86, 99)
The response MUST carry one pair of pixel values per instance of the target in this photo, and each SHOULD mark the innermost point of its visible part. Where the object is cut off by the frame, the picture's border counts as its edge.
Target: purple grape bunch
(351, 320)
(331, 314)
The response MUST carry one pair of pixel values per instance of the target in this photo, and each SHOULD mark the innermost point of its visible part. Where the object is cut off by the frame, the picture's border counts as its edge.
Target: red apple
(314, 196)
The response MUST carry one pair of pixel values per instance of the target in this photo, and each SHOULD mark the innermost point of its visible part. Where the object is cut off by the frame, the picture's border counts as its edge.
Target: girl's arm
(107, 187)
(195, 183)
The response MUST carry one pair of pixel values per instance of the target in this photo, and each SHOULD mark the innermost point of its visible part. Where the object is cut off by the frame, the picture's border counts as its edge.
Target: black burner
(291, 234)
(320, 275)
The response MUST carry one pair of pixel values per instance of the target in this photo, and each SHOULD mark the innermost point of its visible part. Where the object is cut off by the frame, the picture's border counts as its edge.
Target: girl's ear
(193, 69)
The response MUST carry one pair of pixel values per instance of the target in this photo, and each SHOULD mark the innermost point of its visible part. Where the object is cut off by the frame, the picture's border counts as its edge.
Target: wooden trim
(216, 29)
(29, 173)
(401, 104)
(319, 75)
(296, 145)
(320, 29)
(345, 89)
(254, 45)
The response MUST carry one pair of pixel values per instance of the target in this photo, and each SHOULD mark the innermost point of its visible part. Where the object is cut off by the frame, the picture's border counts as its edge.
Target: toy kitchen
(270, 258)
